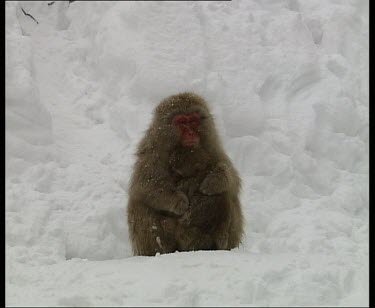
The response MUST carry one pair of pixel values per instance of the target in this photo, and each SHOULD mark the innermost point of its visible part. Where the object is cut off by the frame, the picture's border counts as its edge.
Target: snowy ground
(288, 84)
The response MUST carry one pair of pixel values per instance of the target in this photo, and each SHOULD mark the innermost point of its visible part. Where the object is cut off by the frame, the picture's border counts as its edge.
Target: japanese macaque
(184, 191)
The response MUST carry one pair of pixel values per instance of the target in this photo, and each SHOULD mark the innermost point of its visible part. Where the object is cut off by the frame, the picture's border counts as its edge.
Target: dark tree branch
(29, 15)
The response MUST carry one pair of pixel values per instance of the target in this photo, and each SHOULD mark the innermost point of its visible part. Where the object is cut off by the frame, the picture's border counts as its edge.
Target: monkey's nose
(190, 133)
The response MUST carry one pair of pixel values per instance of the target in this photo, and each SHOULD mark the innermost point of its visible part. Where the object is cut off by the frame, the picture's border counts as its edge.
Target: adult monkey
(184, 191)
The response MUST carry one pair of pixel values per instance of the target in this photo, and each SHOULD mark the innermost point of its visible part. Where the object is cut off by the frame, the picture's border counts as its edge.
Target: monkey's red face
(187, 126)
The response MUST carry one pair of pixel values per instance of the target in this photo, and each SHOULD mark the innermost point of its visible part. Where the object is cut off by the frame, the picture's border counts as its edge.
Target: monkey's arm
(221, 179)
(153, 187)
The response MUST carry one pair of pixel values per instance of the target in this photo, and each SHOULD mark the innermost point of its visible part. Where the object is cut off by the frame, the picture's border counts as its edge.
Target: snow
(288, 85)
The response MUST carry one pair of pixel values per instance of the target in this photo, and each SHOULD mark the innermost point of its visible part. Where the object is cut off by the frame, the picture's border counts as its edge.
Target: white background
(287, 82)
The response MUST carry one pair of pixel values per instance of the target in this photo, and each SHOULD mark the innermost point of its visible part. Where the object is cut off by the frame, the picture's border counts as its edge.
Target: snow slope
(288, 84)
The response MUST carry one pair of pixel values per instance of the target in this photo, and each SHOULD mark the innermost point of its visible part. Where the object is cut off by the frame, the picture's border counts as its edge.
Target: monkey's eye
(194, 122)
(182, 121)
(194, 119)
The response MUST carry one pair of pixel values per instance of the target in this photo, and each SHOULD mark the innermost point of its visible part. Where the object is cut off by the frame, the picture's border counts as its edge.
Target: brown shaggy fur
(183, 198)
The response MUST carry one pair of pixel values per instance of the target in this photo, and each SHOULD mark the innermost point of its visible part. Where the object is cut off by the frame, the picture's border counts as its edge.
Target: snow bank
(288, 85)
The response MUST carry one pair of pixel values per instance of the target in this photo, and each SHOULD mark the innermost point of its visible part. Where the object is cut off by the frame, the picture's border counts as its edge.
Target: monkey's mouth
(191, 142)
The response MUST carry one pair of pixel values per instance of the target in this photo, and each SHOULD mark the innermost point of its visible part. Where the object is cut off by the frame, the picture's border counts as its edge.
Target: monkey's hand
(180, 204)
(185, 218)
(216, 182)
